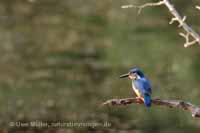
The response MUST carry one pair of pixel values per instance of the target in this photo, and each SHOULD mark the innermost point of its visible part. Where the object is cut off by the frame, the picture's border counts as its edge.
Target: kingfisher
(140, 85)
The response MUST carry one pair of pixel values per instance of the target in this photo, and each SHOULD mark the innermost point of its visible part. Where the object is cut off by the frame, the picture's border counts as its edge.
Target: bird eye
(133, 74)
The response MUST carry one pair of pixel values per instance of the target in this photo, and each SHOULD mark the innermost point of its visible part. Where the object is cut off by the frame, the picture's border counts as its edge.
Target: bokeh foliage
(60, 59)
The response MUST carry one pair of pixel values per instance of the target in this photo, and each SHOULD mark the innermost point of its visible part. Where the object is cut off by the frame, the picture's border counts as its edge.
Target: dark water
(59, 60)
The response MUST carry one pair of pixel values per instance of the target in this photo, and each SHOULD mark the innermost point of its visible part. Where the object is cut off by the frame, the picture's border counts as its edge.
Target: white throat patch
(138, 77)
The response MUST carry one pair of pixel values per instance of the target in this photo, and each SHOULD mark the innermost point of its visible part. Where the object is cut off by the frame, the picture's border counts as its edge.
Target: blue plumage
(140, 84)
(143, 85)
(147, 100)
(144, 88)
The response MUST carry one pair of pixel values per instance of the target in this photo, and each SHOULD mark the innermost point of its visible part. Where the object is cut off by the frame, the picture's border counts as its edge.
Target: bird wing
(143, 85)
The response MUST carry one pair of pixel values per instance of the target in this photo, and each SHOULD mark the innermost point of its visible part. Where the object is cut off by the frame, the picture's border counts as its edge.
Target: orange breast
(136, 91)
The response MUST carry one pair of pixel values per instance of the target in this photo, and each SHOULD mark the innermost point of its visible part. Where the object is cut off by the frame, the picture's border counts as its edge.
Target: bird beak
(124, 75)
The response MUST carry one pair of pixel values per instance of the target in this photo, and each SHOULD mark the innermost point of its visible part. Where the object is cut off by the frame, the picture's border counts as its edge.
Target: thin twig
(194, 110)
(143, 6)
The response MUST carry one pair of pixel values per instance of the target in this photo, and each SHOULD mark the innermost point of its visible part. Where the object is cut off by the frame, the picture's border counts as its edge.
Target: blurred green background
(60, 59)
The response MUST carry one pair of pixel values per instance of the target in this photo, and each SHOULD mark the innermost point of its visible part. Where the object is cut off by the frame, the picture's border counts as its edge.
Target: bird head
(133, 74)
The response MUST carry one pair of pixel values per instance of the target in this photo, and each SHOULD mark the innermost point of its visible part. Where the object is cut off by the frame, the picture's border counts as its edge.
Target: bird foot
(139, 100)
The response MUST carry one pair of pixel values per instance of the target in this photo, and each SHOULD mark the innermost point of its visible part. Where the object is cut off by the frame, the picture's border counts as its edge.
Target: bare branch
(143, 6)
(183, 24)
(197, 7)
(127, 6)
(194, 110)
(187, 43)
(176, 17)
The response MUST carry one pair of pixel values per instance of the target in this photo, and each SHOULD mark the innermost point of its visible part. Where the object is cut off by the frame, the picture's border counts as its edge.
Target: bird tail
(147, 100)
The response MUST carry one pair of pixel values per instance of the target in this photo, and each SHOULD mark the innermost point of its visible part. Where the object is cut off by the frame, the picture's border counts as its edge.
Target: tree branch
(197, 7)
(176, 17)
(143, 6)
(194, 110)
